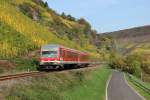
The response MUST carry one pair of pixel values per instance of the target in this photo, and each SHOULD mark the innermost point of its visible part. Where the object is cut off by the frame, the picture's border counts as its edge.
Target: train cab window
(51, 54)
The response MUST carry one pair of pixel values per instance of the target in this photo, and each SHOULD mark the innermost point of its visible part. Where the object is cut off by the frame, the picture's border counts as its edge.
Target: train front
(49, 57)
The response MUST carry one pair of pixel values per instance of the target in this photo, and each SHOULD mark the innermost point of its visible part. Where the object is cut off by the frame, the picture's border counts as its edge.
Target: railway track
(35, 73)
(20, 75)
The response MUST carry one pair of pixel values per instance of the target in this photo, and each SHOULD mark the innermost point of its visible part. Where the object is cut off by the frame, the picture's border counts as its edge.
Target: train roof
(50, 46)
(46, 47)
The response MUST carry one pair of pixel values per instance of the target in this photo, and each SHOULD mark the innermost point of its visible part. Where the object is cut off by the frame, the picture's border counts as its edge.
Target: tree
(30, 10)
(134, 64)
(46, 4)
(87, 29)
(41, 2)
(63, 15)
(69, 17)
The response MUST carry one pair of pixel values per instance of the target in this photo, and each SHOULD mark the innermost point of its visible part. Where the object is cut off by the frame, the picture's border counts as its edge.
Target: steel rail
(19, 75)
(35, 73)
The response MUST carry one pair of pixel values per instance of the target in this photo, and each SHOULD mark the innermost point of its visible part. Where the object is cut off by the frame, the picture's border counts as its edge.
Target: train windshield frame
(50, 54)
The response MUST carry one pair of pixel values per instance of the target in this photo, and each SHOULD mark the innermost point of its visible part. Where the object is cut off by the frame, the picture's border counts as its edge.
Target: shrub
(31, 11)
(134, 65)
(68, 17)
(117, 61)
(25, 64)
(41, 3)
(130, 64)
(138, 63)
(146, 64)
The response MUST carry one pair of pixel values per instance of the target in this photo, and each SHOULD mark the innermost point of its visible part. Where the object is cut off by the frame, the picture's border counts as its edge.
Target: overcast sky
(106, 15)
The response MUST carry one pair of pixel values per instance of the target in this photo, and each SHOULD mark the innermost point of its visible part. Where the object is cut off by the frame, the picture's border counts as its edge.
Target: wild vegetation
(136, 64)
(25, 25)
(78, 85)
(133, 82)
(130, 64)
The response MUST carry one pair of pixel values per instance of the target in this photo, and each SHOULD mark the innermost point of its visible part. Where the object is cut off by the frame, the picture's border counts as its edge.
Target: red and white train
(57, 57)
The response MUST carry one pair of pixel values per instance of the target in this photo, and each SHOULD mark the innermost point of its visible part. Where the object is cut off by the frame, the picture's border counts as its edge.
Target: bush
(139, 63)
(146, 64)
(134, 65)
(130, 64)
(31, 11)
(68, 17)
(41, 3)
(25, 64)
(117, 61)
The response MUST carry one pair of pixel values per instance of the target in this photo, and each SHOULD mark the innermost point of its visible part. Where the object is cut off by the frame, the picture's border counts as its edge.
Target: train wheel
(76, 66)
(61, 67)
(39, 68)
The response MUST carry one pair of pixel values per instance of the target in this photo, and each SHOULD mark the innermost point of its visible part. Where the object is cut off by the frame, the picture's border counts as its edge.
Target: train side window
(64, 53)
(61, 52)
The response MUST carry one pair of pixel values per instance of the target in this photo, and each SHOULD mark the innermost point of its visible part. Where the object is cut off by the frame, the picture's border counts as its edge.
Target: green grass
(138, 88)
(91, 89)
(73, 85)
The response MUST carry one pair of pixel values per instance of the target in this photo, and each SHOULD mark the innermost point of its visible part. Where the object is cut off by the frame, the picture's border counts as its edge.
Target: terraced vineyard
(19, 33)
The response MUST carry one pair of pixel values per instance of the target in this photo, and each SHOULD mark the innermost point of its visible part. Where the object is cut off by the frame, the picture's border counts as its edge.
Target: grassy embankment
(138, 87)
(21, 65)
(73, 85)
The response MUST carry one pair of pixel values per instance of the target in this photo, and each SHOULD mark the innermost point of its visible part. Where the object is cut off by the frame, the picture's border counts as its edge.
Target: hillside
(138, 34)
(132, 40)
(131, 51)
(25, 25)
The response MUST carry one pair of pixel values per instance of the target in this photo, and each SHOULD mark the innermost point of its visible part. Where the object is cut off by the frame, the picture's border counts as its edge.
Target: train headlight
(55, 62)
(61, 58)
(41, 63)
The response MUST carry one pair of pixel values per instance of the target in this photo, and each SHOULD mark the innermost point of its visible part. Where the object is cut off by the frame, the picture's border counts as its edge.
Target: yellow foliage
(38, 34)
